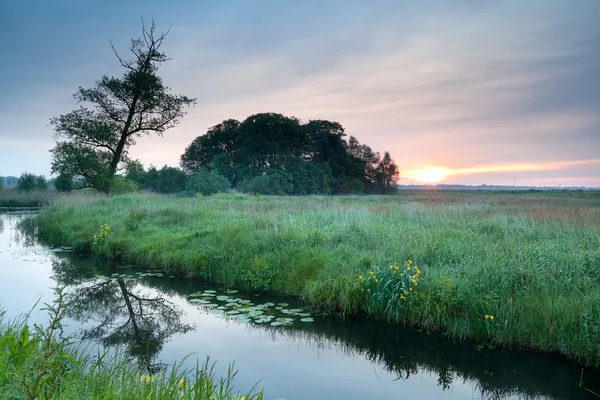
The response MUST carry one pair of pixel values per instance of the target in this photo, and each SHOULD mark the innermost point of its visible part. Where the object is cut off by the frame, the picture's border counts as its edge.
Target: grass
(529, 261)
(39, 363)
(12, 198)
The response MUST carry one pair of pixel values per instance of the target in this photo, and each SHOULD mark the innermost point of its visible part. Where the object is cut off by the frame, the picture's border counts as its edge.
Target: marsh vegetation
(519, 269)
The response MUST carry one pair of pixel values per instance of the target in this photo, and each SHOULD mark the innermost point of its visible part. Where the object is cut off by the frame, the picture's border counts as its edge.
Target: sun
(430, 175)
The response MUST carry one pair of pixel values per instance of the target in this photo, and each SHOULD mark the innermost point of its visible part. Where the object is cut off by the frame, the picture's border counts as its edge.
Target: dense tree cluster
(274, 154)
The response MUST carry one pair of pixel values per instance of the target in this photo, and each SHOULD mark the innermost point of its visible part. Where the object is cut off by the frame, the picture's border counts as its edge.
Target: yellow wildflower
(181, 383)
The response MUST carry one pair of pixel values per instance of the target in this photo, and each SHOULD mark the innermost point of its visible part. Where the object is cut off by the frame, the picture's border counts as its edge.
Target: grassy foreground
(39, 363)
(521, 270)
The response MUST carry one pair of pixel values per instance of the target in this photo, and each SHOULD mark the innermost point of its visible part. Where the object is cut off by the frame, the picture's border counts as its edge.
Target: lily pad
(231, 291)
(307, 319)
(199, 301)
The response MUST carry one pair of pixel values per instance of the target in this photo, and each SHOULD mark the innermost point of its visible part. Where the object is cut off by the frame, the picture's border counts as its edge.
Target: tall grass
(11, 197)
(530, 263)
(39, 363)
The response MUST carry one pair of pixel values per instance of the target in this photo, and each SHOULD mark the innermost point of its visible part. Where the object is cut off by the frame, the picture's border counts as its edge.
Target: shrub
(206, 183)
(275, 182)
(63, 183)
(121, 185)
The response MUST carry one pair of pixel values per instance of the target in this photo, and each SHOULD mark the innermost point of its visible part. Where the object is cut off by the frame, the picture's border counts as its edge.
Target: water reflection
(120, 311)
(123, 311)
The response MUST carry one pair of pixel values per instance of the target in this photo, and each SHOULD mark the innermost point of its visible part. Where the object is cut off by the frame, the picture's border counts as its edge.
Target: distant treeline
(26, 182)
(266, 153)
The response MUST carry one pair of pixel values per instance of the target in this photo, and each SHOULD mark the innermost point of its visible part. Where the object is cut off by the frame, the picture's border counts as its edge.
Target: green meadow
(516, 269)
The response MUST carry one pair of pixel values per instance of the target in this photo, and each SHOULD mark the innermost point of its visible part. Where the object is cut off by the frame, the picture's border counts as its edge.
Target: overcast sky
(485, 91)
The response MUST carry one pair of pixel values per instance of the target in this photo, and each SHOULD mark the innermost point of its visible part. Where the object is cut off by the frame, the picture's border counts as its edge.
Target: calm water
(162, 319)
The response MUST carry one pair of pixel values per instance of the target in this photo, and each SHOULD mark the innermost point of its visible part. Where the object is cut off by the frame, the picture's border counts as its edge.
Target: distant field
(512, 268)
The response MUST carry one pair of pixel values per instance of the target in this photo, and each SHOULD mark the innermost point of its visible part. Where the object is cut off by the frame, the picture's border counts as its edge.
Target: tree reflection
(121, 311)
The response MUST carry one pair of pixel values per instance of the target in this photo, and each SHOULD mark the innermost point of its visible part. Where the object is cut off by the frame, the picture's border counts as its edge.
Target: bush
(275, 182)
(121, 185)
(206, 183)
(63, 183)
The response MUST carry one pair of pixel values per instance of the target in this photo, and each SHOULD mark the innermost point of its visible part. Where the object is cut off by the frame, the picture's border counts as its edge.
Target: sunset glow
(494, 93)
(430, 175)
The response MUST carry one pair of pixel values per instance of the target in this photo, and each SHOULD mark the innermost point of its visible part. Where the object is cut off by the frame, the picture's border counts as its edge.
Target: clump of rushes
(389, 291)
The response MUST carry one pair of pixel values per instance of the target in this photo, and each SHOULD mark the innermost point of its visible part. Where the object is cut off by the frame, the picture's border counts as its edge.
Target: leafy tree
(134, 171)
(151, 179)
(206, 182)
(40, 183)
(329, 146)
(387, 174)
(26, 182)
(266, 140)
(214, 150)
(115, 113)
(364, 163)
(171, 180)
(63, 183)
(1, 183)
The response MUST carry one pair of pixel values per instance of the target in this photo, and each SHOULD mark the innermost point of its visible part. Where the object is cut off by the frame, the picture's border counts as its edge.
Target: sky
(458, 91)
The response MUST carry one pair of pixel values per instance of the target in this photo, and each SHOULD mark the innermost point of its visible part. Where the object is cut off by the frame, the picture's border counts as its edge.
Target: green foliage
(1, 182)
(206, 183)
(122, 185)
(35, 361)
(274, 182)
(386, 174)
(315, 158)
(63, 183)
(390, 291)
(216, 150)
(530, 260)
(26, 182)
(258, 275)
(135, 171)
(97, 136)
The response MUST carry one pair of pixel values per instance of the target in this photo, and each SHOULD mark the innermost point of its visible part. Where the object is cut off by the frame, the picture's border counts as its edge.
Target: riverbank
(12, 198)
(40, 363)
(516, 270)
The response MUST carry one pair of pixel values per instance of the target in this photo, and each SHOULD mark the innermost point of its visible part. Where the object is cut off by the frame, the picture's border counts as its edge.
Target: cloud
(449, 83)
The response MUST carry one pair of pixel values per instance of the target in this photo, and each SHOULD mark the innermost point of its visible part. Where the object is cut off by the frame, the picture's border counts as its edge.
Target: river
(274, 342)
